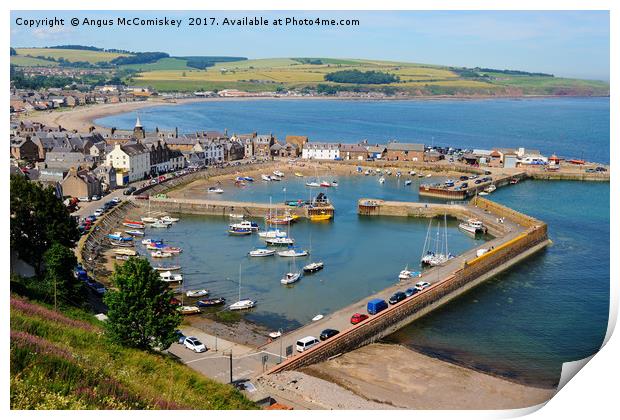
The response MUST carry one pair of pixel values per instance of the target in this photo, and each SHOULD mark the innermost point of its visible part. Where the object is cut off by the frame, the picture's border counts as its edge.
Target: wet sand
(394, 375)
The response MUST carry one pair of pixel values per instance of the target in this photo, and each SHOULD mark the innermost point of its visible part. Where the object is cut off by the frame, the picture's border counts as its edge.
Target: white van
(305, 343)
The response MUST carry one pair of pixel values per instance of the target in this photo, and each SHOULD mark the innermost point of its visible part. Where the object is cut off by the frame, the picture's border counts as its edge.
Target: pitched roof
(405, 147)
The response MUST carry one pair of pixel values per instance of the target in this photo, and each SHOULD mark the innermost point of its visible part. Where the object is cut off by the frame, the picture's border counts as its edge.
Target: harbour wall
(472, 273)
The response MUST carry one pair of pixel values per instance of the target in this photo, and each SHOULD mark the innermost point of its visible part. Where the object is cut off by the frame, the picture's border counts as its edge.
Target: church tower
(138, 130)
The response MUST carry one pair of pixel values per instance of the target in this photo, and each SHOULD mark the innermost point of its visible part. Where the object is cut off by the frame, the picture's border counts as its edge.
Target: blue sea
(521, 325)
(569, 127)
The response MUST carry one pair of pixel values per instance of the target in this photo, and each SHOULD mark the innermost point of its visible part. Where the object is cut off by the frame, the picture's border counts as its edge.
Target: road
(340, 320)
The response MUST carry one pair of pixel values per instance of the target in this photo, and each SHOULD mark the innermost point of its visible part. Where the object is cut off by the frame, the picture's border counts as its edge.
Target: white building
(132, 159)
(213, 150)
(315, 150)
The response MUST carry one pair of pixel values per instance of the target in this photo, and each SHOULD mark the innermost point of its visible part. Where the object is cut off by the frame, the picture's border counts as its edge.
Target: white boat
(215, 190)
(189, 310)
(317, 318)
(334, 183)
(170, 219)
(169, 277)
(274, 178)
(483, 193)
(472, 226)
(272, 233)
(429, 175)
(167, 268)
(490, 188)
(197, 293)
(382, 180)
(262, 252)
(279, 241)
(265, 177)
(160, 254)
(246, 224)
(135, 232)
(290, 278)
(149, 219)
(293, 253)
(235, 216)
(275, 334)
(244, 303)
(125, 251)
(159, 224)
(279, 174)
(412, 173)
(440, 254)
(407, 274)
(408, 182)
(313, 184)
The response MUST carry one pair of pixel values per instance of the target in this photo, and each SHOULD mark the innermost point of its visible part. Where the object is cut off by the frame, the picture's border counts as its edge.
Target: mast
(239, 282)
(426, 239)
(445, 227)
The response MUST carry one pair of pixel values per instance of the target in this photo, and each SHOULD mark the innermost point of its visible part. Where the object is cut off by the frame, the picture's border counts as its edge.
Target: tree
(38, 219)
(60, 283)
(140, 312)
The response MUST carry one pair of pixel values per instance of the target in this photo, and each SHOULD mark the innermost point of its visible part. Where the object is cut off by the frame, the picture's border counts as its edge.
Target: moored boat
(473, 226)
(408, 182)
(290, 278)
(235, 216)
(262, 252)
(299, 174)
(292, 252)
(118, 236)
(280, 241)
(167, 267)
(188, 310)
(135, 232)
(317, 318)
(211, 302)
(159, 224)
(197, 293)
(320, 217)
(170, 277)
(160, 254)
(278, 173)
(239, 232)
(313, 184)
(148, 219)
(325, 184)
(265, 177)
(242, 304)
(314, 267)
(215, 190)
(272, 233)
(170, 219)
(246, 224)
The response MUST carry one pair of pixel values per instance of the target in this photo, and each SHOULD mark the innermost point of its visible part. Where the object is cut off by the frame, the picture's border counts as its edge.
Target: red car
(357, 318)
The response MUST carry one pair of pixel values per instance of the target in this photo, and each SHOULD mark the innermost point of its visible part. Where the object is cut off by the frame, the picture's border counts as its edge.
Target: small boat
(313, 267)
(325, 184)
(135, 232)
(211, 302)
(188, 310)
(167, 268)
(313, 184)
(280, 241)
(272, 233)
(172, 249)
(420, 175)
(279, 220)
(317, 318)
(265, 177)
(334, 183)
(134, 225)
(215, 190)
(275, 334)
(279, 174)
(121, 244)
(167, 276)
(148, 241)
(292, 252)
(242, 304)
(122, 257)
(299, 174)
(133, 222)
(239, 232)
(406, 274)
(148, 219)
(197, 293)
(274, 178)
(247, 178)
(514, 181)
(429, 175)
(367, 172)
(483, 193)
(262, 252)
(408, 182)
(168, 219)
(473, 226)
(118, 236)
(290, 278)
(155, 246)
(160, 254)
(235, 216)
(125, 251)
(246, 224)
(320, 217)
(382, 180)
(159, 224)
(490, 188)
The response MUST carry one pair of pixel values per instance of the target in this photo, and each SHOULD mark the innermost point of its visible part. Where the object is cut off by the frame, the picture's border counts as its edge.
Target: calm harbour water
(523, 324)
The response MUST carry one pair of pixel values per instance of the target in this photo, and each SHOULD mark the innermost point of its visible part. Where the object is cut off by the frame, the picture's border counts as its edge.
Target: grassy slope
(23, 61)
(70, 55)
(61, 362)
(169, 63)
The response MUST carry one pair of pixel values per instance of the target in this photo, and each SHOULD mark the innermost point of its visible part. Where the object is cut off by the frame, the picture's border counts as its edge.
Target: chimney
(176, 132)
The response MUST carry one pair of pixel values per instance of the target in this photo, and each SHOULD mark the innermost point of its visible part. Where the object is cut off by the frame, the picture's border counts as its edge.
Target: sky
(564, 43)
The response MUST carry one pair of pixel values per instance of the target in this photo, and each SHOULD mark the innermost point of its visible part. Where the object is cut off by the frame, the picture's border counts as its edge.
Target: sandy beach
(399, 377)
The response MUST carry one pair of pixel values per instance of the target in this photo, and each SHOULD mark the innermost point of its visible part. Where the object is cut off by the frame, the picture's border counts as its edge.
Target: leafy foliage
(361, 77)
(140, 312)
(140, 58)
(38, 219)
(59, 281)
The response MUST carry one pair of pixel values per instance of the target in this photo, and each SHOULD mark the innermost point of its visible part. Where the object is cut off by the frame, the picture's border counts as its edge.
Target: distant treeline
(323, 89)
(202, 62)
(361, 77)
(306, 60)
(89, 48)
(478, 72)
(21, 81)
(140, 58)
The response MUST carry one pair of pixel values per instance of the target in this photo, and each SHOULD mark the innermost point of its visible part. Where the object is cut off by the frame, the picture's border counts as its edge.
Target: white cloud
(56, 32)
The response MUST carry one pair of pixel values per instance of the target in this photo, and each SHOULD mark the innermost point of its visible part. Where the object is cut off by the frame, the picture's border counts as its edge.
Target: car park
(421, 285)
(195, 345)
(328, 333)
(397, 297)
(357, 318)
(306, 343)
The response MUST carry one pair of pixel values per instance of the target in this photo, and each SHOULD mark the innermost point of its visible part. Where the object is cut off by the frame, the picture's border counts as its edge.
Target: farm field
(70, 55)
(23, 61)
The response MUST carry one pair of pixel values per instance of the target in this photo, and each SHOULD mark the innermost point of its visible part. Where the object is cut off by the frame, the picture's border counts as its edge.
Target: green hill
(63, 361)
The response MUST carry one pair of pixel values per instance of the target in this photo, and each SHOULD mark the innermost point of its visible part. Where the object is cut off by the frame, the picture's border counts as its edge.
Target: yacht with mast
(245, 303)
(440, 254)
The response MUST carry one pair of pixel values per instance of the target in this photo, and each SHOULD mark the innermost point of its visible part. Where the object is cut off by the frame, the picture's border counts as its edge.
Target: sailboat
(314, 183)
(407, 274)
(313, 267)
(244, 303)
(292, 276)
(441, 254)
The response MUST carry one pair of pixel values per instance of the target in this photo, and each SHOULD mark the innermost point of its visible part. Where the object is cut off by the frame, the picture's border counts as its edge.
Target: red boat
(577, 161)
(134, 222)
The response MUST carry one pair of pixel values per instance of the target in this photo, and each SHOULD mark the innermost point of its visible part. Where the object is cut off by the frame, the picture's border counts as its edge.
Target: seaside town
(221, 232)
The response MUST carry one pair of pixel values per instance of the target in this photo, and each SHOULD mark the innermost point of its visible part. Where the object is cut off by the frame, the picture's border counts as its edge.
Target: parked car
(421, 285)
(411, 291)
(180, 336)
(328, 333)
(116, 200)
(129, 191)
(99, 212)
(463, 178)
(397, 297)
(464, 185)
(478, 181)
(305, 343)
(96, 287)
(473, 176)
(600, 169)
(84, 199)
(357, 318)
(195, 345)
(95, 198)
